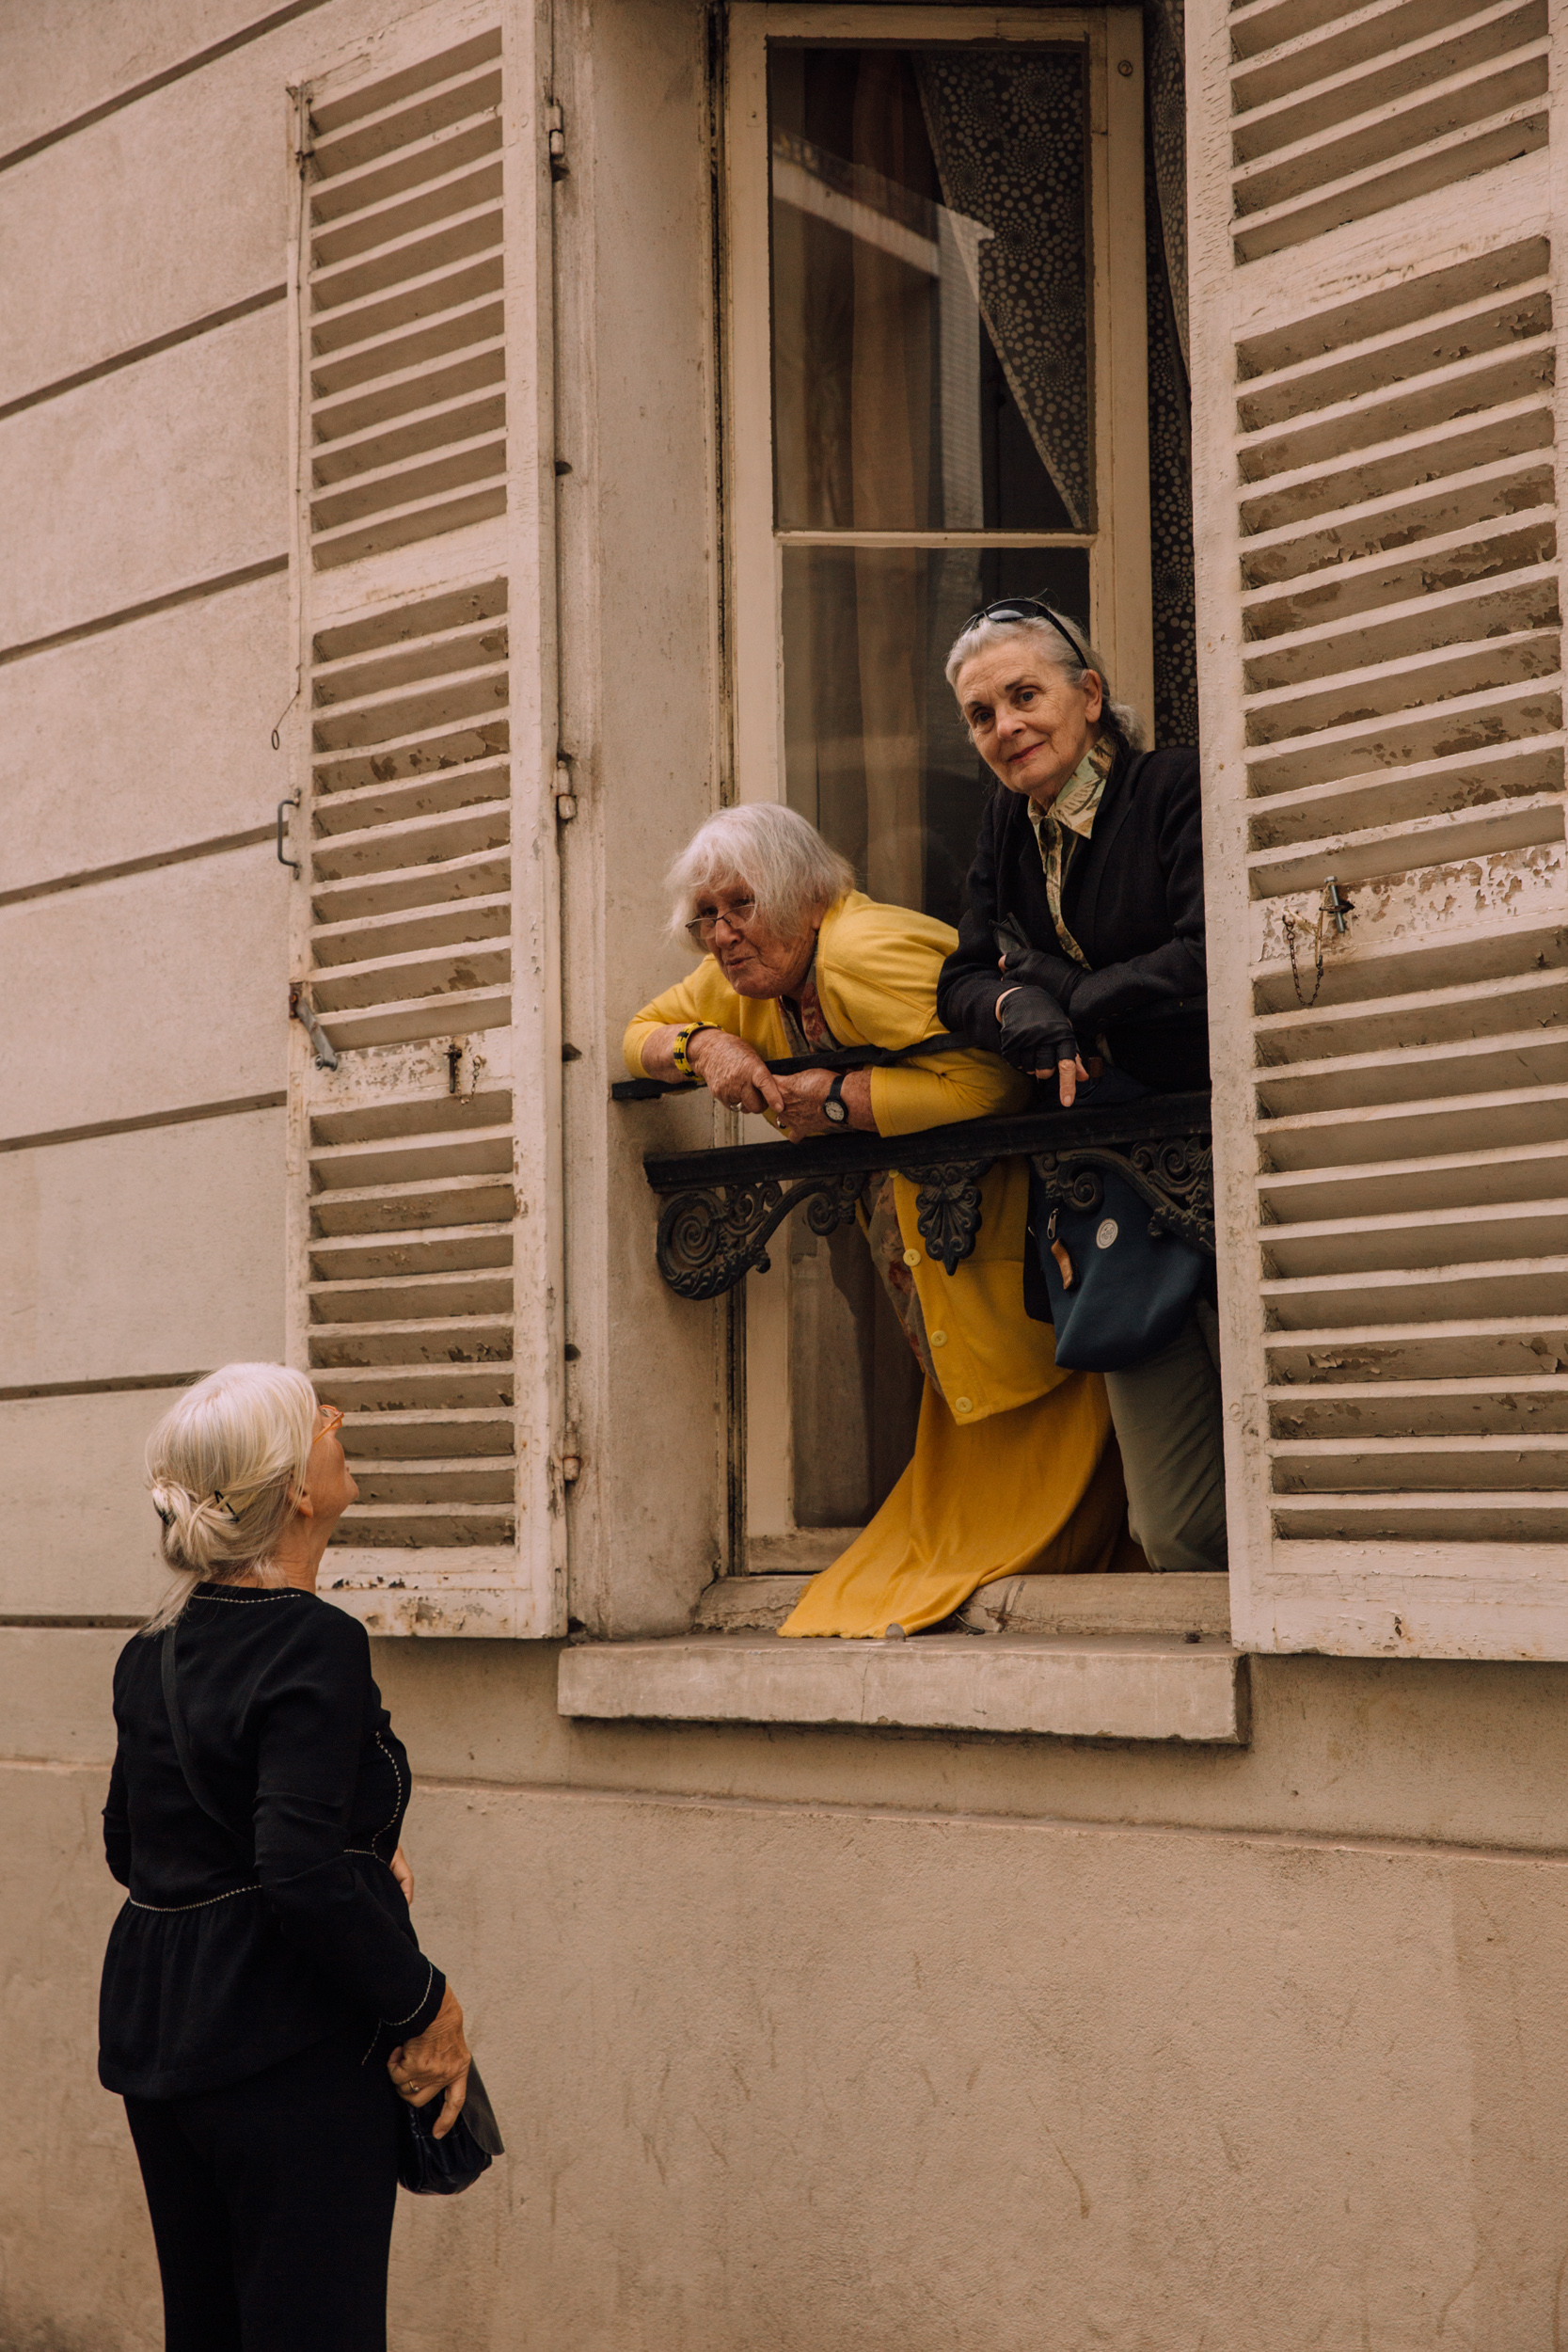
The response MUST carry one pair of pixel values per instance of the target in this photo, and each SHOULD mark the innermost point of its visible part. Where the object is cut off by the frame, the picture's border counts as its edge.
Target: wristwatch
(834, 1107)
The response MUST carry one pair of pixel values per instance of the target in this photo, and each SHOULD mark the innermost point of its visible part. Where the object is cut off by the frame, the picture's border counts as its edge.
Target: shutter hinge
(566, 799)
(555, 124)
(305, 131)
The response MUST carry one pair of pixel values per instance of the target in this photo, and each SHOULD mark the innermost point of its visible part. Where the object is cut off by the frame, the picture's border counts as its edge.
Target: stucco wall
(807, 2041)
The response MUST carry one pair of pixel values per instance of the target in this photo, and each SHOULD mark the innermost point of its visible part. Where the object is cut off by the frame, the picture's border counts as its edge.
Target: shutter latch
(302, 1010)
(1333, 907)
(555, 124)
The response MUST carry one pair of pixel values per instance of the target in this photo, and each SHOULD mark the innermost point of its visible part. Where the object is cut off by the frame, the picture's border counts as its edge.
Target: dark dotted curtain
(1007, 138)
(1007, 133)
(1170, 429)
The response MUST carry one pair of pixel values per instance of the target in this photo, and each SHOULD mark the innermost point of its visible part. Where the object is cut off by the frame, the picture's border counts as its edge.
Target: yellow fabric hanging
(1037, 1490)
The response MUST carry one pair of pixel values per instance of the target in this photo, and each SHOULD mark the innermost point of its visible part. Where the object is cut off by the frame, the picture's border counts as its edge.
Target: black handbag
(430, 2167)
(445, 2167)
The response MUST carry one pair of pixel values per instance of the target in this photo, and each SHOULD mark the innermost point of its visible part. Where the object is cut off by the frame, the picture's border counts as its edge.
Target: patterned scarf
(1072, 812)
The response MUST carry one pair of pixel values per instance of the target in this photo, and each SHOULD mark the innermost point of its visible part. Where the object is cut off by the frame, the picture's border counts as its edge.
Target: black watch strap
(835, 1094)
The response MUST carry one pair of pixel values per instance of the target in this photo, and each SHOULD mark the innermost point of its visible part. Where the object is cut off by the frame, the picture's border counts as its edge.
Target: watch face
(835, 1110)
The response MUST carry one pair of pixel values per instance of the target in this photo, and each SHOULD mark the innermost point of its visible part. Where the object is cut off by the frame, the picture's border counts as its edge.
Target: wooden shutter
(425, 1178)
(1374, 403)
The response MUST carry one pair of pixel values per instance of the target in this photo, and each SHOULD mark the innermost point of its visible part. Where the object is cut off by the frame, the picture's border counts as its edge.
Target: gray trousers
(1168, 1426)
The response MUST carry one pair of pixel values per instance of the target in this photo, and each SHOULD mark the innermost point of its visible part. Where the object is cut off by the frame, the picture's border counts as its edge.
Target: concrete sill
(1112, 1686)
(757, 1603)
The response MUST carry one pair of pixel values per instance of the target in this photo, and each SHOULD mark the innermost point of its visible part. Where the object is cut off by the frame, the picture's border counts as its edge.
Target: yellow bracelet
(683, 1039)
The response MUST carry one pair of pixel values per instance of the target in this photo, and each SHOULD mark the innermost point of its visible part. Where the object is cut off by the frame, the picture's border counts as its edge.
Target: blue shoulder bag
(1122, 1278)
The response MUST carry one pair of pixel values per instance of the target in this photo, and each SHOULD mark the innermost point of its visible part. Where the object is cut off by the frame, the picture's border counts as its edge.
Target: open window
(948, 307)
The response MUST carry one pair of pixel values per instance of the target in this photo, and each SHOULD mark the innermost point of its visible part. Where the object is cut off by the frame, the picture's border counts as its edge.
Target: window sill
(1112, 1686)
(1125, 1603)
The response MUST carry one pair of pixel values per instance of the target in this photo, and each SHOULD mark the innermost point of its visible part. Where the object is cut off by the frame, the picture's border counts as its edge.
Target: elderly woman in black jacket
(1092, 855)
(263, 1980)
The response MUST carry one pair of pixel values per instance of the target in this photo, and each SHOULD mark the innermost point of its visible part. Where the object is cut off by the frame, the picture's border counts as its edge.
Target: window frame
(1120, 586)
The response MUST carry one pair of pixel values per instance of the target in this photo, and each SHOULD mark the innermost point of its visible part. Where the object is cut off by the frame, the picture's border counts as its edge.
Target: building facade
(451, 449)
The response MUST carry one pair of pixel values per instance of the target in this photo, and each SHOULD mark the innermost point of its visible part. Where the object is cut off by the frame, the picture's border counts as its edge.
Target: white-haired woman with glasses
(1015, 1469)
(262, 1979)
(1091, 858)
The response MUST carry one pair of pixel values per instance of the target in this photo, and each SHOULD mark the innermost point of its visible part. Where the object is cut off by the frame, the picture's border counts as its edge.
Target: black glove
(1036, 1032)
(1037, 968)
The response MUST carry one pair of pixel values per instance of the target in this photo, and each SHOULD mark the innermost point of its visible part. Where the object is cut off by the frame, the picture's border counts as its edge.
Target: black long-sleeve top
(1132, 898)
(237, 1947)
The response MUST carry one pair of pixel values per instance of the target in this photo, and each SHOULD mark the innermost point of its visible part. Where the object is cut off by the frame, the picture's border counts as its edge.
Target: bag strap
(194, 1777)
(791, 1065)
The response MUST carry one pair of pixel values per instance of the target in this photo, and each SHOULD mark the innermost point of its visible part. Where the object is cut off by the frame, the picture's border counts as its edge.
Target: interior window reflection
(930, 317)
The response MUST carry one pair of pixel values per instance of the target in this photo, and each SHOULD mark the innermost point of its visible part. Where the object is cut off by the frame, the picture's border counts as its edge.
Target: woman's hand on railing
(436, 2065)
(807, 1091)
(731, 1071)
(1038, 1036)
(735, 1073)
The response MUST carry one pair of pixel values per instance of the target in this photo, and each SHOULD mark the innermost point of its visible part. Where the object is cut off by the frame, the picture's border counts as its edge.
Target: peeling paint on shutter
(423, 1183)
(1375, 308)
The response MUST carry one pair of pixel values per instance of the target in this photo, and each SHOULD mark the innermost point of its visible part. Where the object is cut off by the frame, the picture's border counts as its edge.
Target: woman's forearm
(658, 1053)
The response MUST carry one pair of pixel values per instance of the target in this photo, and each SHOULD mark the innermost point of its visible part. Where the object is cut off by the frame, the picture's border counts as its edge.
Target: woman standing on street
(262, 1978)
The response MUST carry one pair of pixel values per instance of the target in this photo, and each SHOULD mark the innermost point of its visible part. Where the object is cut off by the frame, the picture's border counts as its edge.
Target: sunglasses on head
(1030, 608)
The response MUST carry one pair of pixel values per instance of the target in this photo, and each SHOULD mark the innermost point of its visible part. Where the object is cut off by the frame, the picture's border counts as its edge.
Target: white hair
(1060, 651)
(770, 851)
(223, 1466)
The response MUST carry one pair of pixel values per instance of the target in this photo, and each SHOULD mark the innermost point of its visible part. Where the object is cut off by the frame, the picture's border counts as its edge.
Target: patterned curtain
(1170, 432)
(1007, 128)
(1165, 48)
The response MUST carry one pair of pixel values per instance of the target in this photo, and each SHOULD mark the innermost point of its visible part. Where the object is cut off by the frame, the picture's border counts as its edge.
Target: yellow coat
(875, 977)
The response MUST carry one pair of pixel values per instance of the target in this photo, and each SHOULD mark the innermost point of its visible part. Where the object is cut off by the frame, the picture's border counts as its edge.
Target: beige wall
(802, 2039)
(809, 2040)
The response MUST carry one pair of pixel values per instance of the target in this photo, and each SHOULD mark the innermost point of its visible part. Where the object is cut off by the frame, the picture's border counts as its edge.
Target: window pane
(876, 753)
(930, 318)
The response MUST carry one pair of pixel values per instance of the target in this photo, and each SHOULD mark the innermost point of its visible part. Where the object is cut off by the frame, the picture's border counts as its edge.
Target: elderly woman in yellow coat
(1015, 1468)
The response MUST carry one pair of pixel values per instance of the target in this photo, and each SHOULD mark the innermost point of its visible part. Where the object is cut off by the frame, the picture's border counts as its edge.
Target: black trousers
(272, 2206)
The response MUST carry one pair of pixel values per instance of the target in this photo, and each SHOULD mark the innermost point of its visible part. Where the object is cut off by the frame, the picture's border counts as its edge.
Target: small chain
(1293, 924)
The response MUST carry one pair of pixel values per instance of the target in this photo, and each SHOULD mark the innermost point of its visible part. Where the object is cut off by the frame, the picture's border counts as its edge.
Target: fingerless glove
(1036, 1032)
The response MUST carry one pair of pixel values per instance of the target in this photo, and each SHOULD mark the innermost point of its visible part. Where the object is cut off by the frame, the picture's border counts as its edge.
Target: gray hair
(224, 1466)
(1060, 651)
(782, 860)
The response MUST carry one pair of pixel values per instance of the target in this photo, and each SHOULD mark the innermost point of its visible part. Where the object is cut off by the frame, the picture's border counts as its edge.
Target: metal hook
(1336, 905)
(292, 803)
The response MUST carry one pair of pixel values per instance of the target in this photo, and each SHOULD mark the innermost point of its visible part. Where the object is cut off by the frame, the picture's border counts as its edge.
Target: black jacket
(1133, 899)
(236, 1949)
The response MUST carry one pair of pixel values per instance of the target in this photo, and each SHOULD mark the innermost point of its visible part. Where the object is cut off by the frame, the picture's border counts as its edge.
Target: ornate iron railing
(721, 1208)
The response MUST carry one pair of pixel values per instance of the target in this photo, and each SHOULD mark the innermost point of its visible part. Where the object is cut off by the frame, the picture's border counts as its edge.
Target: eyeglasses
(703, 929)
(332, 1418)
(1028, 609)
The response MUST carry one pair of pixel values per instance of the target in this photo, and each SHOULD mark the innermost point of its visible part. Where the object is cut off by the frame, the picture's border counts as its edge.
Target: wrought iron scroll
(947, 1208)
(721, 1208)
(1174, 1174)
(711, 1239)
